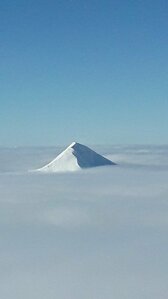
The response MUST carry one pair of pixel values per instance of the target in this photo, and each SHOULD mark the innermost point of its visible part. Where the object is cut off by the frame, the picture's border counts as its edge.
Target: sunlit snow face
(101, 233)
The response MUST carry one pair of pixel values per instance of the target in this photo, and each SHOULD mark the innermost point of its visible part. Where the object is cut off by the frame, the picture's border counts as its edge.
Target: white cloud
(97, 234)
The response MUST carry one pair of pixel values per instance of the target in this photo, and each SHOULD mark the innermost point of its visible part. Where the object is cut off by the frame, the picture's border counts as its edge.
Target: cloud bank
(101, 233)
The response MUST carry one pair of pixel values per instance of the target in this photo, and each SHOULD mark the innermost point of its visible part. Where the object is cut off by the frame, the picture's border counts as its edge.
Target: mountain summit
(75, 157)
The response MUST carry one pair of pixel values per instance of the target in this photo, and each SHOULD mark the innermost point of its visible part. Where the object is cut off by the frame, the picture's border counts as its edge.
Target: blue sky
(90, 71)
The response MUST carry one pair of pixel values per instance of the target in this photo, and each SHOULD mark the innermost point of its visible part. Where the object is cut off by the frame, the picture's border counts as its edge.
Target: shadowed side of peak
(88, 158)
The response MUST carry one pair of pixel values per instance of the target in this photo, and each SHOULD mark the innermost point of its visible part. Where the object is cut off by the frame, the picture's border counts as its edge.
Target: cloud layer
(97, 234)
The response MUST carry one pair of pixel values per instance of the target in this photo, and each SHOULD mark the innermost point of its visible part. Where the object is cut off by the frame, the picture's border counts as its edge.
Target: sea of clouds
(95, 234)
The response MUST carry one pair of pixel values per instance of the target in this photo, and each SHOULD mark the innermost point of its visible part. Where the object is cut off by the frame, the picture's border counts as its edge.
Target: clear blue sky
(91, 71)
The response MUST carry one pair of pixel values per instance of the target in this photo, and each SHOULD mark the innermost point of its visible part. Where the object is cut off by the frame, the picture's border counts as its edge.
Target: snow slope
(75, 157)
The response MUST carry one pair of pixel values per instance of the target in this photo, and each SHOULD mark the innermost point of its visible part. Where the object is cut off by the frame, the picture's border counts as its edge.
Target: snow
(75, 157)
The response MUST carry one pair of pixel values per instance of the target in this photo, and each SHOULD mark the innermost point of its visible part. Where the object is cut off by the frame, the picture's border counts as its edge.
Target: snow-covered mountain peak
(72, 145)
(75, 157)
